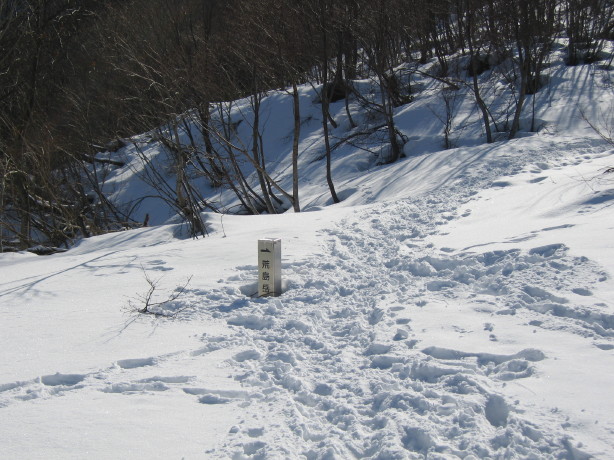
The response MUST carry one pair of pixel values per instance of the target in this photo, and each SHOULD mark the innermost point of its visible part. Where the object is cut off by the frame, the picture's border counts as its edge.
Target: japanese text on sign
(269, 267)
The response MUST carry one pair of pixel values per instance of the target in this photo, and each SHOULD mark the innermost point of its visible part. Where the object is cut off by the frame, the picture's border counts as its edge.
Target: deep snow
(456, 304)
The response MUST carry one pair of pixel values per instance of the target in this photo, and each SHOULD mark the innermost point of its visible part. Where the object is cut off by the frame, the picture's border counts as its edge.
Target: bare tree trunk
(216, 174)
(225, 137)
(325, 117)
(395, 149)
(524, 76)
(256, 98)
(347, 109)
(342, 77)
(295, 141)
(25, 213)
(186, 201)
(473, 56)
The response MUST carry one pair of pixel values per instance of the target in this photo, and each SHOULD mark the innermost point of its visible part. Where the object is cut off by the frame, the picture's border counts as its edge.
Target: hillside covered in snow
(455, 303)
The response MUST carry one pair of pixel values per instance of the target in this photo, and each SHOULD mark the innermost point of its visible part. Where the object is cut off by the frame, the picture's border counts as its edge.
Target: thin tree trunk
(524, 77)
(205, 118)
(256, 152)
(295, 141)
(395, 149)
(246, 200)
(325, 117)
(476, 87)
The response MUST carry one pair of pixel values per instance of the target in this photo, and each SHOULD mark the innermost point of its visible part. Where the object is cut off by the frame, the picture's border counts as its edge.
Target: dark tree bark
(324, 96)
(474, 54)
(295, 141)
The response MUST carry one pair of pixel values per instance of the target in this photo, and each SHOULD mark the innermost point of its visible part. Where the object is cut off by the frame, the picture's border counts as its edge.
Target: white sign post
(269, 267)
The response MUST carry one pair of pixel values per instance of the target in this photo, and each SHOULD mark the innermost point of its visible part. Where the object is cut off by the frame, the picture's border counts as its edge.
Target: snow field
(456, 304)
(384, 343)
(362, 312)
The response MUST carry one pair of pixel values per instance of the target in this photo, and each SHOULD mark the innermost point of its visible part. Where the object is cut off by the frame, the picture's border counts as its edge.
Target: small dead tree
(149, 302)
(450, 99)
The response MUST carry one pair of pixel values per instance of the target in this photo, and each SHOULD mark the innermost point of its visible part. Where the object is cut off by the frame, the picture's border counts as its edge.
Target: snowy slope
(456, 304)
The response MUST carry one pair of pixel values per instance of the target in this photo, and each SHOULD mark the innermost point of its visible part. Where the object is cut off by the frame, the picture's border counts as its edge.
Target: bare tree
(587, 23)
(322, 9)
(533, 25)
(450, 100)
(474, 45)
(380, 42)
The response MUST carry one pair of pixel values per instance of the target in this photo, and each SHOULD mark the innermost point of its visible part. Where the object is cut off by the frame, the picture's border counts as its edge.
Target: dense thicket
(75, 74)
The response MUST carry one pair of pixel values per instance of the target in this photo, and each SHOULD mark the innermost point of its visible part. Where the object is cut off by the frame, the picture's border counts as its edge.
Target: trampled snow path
(343, 362)
(372, 351)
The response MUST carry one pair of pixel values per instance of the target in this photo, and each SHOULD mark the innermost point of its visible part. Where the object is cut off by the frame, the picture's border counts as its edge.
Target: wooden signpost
(269, 267)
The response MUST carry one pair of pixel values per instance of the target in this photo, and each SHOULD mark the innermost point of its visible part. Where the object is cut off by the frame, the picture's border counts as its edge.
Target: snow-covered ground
(457, 304)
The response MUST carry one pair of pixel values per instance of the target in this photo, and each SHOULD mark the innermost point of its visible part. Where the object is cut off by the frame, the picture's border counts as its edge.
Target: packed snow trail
(343, 366)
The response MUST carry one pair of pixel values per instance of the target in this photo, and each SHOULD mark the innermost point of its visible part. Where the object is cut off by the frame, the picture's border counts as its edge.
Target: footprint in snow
(542, 166)
(171, 379)
(582, 291)
(52, 380)
(213, 399)
(400, 335)
(323, 389)
(209, 396)
(131, 388)
(247, 355)
(496, 411)
(135, 363)
(158, 265)
(41, 387)
(256, 449)
(62, 379)
(255, 432)
(502, 367)
(501, 184)
(251, 322)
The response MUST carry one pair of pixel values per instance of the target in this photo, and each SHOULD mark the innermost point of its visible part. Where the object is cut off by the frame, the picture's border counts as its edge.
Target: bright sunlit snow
(457, 303)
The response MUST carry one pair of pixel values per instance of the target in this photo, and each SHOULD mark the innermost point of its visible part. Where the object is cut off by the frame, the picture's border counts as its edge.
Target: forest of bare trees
(77, 76)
